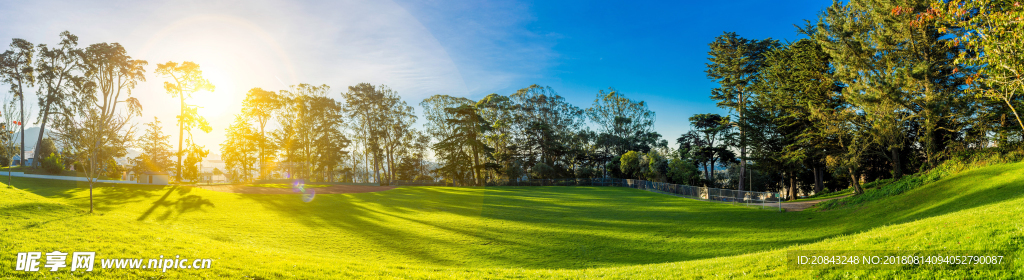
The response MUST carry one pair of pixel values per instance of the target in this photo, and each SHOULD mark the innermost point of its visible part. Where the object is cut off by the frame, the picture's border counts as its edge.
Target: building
(29, 155)
(153, 178)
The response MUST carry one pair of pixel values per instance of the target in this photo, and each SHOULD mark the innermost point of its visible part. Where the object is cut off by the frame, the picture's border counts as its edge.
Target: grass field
(288, 186)
(501, 232)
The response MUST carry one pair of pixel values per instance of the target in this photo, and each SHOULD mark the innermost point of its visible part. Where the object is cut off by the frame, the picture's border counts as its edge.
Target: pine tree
(734, 62)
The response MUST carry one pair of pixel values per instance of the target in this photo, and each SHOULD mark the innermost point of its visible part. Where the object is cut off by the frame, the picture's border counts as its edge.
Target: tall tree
(58, 70)
(895, 64)
(453, 159)
(623, 121)
(187, 79)
(16, 70)
(239, 150)
(734, 62)
(795, 80)
(467, 138)
(714, 132)
(96, 125)
(309, 133)
(500, 111)
(546, 123)
(260, 105)
(383, 122)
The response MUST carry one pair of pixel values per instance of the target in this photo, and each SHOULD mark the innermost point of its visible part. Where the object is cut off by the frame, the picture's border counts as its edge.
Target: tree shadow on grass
(515, 228)
(75, 190)
(339, 212)
(182, 205)
(29, 215)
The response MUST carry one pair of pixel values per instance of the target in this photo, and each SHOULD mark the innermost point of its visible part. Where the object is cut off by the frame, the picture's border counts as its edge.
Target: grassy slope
(439, 232)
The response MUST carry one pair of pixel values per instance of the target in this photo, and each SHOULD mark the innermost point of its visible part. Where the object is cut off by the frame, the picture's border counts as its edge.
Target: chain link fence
(770, 200)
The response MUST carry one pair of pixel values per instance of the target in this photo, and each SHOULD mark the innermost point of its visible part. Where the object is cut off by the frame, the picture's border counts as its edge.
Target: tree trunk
(743, 145)
(1021, 123)
(897, 172)
(707, 174)
(856, 183)
(817, 179)
(181, 134)
(21, 115)
(263, 140)
(476, 171)
(42, 131)
(792, 186)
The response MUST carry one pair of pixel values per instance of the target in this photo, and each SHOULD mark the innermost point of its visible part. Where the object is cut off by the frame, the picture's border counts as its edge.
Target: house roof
(154, 173)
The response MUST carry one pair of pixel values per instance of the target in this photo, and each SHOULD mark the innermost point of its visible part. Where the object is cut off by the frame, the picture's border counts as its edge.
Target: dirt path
(319, 190)
(800, 206)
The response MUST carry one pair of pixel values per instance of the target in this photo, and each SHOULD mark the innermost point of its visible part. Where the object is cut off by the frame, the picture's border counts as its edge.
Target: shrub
(52, 164)
(542, 171)
(113, 170)
(630, 164)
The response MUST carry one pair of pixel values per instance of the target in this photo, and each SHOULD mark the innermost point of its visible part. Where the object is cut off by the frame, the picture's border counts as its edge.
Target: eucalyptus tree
(383, 123)
(240, 150)
(733, 63)
(259, 105)
(500, 111)
(623, 122)
(546, 123)
(309, 130)
(96, 124)
(58, 70)
(16, 70)
(187, 79)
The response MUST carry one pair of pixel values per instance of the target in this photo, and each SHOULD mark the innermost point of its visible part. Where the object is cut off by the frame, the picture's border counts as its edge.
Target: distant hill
(31, 135)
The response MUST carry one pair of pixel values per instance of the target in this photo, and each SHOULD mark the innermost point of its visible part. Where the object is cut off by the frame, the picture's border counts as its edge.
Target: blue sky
(650, 50)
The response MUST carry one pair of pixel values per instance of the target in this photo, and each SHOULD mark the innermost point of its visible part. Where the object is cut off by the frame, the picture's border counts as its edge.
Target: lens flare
(308, 195)
(300, 187)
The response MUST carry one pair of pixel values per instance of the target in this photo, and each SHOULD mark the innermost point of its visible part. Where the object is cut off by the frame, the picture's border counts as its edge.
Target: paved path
(801, 205)
(319, 190)
(65, 178)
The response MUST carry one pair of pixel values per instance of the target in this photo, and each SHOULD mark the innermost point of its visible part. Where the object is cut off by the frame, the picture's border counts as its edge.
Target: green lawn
(288, 186)
(496, 232)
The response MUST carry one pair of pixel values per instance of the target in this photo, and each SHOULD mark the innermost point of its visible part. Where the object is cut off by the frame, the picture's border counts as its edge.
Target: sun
(233, 54)
(216, 103)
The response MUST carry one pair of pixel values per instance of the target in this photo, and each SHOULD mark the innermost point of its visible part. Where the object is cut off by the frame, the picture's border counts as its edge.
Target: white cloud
(244, 44)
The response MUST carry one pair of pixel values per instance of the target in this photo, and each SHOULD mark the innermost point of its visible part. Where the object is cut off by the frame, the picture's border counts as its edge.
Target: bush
(52, 164)
(113, 170)
(542, 171)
